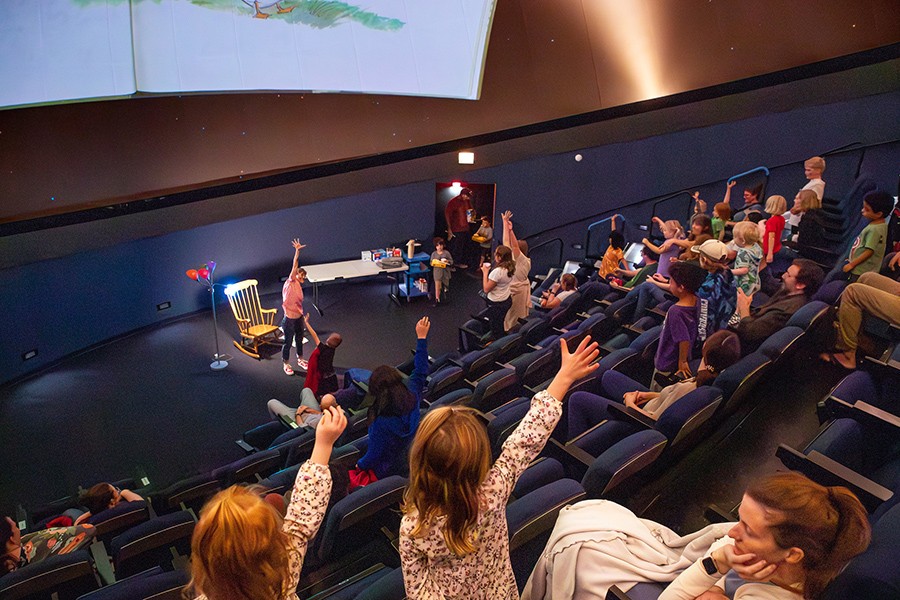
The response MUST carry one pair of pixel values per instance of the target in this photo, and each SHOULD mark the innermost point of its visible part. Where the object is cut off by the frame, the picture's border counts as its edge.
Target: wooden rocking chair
(256, 324)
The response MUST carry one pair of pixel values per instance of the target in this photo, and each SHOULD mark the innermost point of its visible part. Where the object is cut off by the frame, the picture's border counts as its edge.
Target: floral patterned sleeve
(312, 489)
(521, 447)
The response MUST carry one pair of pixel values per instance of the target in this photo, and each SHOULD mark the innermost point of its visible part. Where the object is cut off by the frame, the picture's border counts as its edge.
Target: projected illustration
(73, 49)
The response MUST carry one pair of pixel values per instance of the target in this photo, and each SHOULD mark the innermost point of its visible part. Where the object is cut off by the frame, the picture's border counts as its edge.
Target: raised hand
(580, 363)
(331, 426)
(422, 328)
(297, 245)
(731, 184)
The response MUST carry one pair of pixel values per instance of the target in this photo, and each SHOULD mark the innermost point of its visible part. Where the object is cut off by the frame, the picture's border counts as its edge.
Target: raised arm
(418, 378)
(509, 236)
(529, 438)
(612, 222)
(309, 328)
(727, 197)
(312, 488)
(699, 205)
(296, 265)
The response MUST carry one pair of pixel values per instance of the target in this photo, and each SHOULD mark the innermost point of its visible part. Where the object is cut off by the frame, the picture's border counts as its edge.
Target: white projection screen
(60, 50)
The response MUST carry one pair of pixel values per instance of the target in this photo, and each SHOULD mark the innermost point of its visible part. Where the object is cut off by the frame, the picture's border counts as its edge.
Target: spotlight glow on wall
(456, 185)
(467, 158)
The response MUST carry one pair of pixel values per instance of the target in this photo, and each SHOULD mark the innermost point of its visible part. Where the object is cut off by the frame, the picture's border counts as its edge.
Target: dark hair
(568, 282)
(754, 216)
(648, 253)
(439, 241)
(756, 191)
(688, 275)
(879, 202)
(97, 498)
(721, 350)
(391, 396)
(829, 524)
(7, 563)
(505, 259)
(616, 239)
(486, 218)
(809, 274)
(704, 221)
(5, 531)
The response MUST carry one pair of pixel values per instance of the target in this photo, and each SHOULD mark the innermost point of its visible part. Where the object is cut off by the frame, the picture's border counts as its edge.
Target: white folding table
(345, 269)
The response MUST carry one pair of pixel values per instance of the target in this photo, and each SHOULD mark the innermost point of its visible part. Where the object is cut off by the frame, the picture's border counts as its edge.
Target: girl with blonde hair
(453, 537)
(243, 550)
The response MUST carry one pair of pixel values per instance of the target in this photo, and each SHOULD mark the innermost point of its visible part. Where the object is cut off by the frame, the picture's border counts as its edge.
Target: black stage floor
(149, 404)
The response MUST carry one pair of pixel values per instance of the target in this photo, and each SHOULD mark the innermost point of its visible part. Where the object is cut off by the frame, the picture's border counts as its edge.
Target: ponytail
(505, 260)
(829, 525)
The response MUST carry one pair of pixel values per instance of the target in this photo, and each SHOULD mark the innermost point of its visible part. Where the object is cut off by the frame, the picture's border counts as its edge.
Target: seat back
(622, 461)
(151, 584)
(150, 544)
(505, 419)
(351, 517)
(243, 297)
(246, 469)
(536, 367)
(495, 389)
(64, 576)
(443, 381)
(113, 521)
(738, 380)
(782, 343)
(190, 493)
(687, 415)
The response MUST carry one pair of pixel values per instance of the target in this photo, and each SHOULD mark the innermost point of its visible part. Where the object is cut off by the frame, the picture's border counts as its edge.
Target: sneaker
(287, 369)
(302, 364)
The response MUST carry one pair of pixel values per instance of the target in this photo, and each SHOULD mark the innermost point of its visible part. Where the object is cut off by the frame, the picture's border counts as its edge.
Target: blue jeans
(293, 329)
(648, 295)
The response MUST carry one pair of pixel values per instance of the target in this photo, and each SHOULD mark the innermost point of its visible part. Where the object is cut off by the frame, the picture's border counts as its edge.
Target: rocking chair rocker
(256, 324)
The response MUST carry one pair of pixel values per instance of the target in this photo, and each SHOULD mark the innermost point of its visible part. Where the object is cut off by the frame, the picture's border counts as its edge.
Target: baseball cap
(713, 250)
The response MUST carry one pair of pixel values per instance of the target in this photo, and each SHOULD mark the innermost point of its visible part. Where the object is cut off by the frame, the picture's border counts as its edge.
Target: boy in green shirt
(867, 251)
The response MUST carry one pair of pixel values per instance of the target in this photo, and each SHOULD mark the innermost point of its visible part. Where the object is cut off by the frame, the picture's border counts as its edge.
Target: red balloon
(192, 273)
(203, 273)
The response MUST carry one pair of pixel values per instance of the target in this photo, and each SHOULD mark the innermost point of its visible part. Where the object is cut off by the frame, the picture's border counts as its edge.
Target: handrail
(562, 245)
(665, 199)
(750, 172)
(591, 227)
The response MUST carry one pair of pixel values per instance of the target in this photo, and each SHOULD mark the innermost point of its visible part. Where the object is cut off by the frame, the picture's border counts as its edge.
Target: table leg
(395, 289)
(316, 299)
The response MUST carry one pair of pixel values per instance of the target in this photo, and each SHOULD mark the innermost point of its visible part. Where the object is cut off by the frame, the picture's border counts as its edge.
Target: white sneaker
(302, 364)
(287, 369)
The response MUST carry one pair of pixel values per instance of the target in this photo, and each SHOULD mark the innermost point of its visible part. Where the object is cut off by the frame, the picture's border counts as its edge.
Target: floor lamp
(204, 275)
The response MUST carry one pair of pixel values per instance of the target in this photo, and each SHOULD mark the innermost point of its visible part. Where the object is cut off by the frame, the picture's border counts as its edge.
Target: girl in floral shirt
(453, 537)
(242, 549)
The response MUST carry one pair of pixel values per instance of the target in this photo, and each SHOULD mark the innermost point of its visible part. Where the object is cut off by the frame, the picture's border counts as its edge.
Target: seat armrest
(245, 446)
(614, 593)
(826, 471)
(621, 412)
(716, 514)
(865, 414)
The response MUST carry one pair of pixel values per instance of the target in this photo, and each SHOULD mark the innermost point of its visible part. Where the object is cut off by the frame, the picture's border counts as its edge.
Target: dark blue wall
(64, 305)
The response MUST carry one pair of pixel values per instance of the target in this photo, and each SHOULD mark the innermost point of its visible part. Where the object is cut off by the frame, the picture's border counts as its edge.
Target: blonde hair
(449, 459)
(748, 231)
(675, 225)
(808, 200)
(776, 205)
(816, 162)
(238, 550)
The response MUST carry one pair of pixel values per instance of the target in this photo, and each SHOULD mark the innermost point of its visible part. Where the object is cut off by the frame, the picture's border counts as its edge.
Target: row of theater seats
(858, 446)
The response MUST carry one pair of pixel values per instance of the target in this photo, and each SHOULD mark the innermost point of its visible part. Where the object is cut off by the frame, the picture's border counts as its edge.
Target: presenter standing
(457, 216)
(292, 303)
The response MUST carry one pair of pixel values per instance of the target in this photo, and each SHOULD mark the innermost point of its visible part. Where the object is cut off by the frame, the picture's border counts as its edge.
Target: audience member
(721, 217)
(774, 227)
(102, 496)
(748, 257)
(308, 414)
(496, 287)
(241, 547)
(793, 538)
(520, 288)
(750, 197)
(614, 257)
(668, 250)
(801, 280)
(23, 550)
(292, 303)
(441, 261)
(394, 414)
(565, 287)
(872, 294)
(639, 276)
(701, 231)
(453, 537)
(812, 170)
(679, 330)
(867, 251)
(484, 237)
(719, 289)
(320, 376)
(585, 410)
(811, 230)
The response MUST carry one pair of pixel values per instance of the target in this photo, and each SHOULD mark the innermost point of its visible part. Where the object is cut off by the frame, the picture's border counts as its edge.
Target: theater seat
(152, 544)
(152, 584)
(63, 577)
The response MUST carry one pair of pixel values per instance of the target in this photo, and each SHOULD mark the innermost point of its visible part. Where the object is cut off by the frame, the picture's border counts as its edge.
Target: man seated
(802, 279)
(103, 496)
(308, 414)
(638, 276)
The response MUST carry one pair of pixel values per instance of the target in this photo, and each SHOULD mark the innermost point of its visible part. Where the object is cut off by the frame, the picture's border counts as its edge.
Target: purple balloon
(211, 265)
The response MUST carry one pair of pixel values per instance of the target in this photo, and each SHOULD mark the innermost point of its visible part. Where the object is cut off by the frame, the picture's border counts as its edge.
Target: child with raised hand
(680, 327)
(614, 257)
(453, 537)
(241, 547)
(668, 250)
